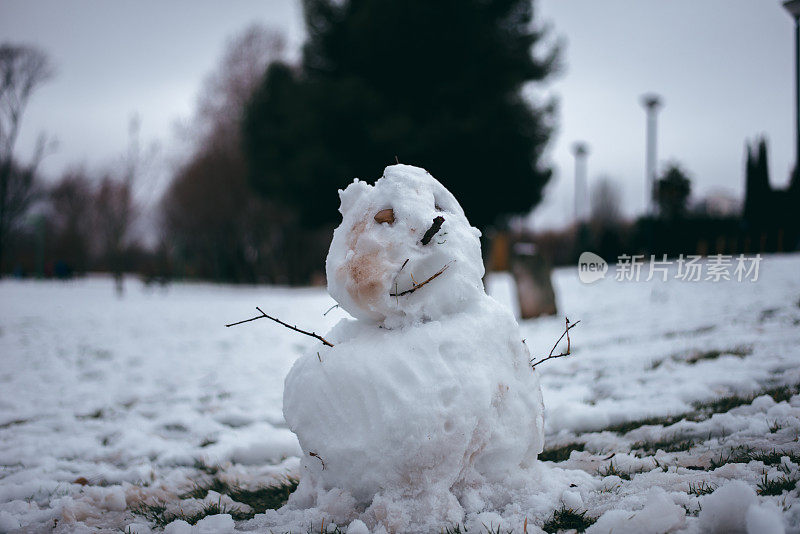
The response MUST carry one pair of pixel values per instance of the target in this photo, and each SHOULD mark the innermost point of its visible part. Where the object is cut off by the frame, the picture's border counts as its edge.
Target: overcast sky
(723, 67)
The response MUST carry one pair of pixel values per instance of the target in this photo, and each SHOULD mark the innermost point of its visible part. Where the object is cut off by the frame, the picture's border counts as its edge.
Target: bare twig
(395, 278)
(397, 160)
(318, 457)
(329, 309)
(290, 327)
(566, 352)
(417, 286)
(437, 224)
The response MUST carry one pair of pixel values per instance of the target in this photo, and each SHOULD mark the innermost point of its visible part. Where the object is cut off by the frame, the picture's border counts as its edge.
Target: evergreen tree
(672, 192)
(437, 83)
(759, 198)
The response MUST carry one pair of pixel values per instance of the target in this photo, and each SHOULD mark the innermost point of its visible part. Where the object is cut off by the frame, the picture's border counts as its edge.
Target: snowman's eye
(385, 216)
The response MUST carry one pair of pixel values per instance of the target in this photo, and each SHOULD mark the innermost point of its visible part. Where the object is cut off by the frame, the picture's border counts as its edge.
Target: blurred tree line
(767, 221)
(436, 84)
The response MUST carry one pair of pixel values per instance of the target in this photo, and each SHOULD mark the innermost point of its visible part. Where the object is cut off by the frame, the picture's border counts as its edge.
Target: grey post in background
(580, 150)
(793, 7)
(651, 103)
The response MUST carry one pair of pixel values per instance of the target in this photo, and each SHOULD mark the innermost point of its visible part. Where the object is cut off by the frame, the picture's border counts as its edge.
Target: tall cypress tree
(437, 83)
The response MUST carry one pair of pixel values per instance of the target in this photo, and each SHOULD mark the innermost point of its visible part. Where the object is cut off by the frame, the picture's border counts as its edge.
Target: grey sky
(723, 67)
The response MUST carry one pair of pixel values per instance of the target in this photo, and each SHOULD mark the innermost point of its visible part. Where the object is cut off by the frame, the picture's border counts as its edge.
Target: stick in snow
(417, 286)
(565, 353)
(437, 224)
(290, 327)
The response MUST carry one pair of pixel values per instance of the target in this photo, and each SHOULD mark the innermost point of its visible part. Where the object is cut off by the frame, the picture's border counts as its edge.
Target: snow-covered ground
(114, 411)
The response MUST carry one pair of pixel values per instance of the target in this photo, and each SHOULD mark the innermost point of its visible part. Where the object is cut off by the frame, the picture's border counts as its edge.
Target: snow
(129, 393)
(428, 396)
(369, 261)
(659, 514)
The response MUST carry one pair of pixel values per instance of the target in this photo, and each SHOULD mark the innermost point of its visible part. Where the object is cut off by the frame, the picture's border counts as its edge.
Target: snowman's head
(377, 256)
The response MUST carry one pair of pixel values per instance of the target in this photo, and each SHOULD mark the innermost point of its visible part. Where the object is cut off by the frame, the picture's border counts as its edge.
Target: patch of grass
(774, 456)
(701, 488)
(725, 404)
(664, 420)
(560, 454)
(737, 455)
(568, 519)
(704, 410)
(97, 414)
(693, 358)
(769, 313)
(15, 422)
(776, 486)
(208, 469)
(694, 331)
(455, 529)
(155, 512)
(744, 454)
(667, 444)
(259, 500)
(611, 470)
(774, 426)
(324, 529)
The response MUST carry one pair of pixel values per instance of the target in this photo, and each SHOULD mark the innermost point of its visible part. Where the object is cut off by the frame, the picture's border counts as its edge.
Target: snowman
(426, 393)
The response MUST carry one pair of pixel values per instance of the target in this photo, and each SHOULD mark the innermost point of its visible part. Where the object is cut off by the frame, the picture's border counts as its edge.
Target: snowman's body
(429, 392)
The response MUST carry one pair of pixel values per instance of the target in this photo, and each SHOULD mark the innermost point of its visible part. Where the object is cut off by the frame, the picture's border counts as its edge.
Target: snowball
(426, 393)
(369, 260)
(724, 510)
(357, 527)
(764, 519)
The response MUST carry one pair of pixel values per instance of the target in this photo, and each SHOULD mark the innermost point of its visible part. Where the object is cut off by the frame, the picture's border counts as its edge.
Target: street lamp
(651, 103)
(793, 7)
(580, 150)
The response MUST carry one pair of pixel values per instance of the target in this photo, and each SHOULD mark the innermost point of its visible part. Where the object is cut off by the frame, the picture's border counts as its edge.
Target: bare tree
(71, 202)
(210, 216)
(229, 88)
(115, 210)
(22, 70)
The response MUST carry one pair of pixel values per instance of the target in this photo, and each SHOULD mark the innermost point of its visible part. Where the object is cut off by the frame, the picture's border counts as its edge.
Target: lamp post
(580, 150)
(793, 7)
(651, 103)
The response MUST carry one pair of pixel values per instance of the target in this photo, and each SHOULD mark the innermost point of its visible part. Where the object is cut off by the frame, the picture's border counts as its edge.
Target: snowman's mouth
(416, 285)
(436, 225)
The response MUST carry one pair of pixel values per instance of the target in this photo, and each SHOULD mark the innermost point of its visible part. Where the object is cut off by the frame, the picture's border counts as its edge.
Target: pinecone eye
(385, 216)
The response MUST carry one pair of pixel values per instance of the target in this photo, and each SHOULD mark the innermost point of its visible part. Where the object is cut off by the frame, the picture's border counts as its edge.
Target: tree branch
(565, 353)
(290, 327)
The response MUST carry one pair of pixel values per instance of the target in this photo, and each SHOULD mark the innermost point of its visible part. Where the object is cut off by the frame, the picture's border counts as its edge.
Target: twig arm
(567, 328)
(290, 327)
